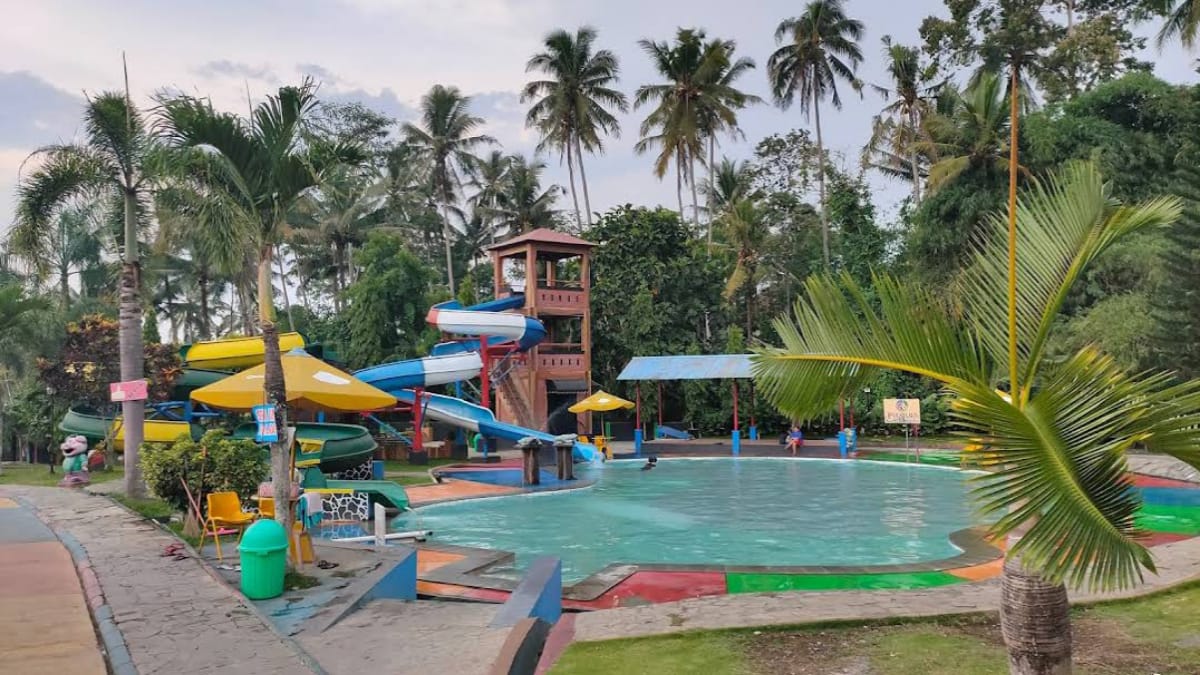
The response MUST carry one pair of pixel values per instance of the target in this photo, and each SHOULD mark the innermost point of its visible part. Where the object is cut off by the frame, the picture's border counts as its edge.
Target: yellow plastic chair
(266, 508)
(224, 510)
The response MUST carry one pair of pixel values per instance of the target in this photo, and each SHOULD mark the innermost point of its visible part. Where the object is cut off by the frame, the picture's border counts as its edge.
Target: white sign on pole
(902, 410)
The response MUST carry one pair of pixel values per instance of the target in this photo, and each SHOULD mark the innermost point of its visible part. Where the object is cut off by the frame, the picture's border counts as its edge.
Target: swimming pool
(749, 511)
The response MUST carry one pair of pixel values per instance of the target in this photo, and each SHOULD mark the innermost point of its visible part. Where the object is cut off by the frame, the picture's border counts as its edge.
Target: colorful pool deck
(1171, 513)
(44, 617)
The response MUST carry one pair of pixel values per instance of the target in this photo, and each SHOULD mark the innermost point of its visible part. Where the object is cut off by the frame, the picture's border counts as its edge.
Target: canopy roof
(705, 367)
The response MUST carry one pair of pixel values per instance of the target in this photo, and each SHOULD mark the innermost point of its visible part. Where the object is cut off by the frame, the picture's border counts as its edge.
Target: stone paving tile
(174, 616)
(410, 638)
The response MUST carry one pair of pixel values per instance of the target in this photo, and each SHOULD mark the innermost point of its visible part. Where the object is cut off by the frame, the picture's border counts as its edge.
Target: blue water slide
(469, 416)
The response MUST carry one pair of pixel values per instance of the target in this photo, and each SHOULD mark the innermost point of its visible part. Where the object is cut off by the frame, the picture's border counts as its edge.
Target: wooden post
(485, 375)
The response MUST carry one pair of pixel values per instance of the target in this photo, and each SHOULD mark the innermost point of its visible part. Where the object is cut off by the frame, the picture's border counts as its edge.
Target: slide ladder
(514, 396)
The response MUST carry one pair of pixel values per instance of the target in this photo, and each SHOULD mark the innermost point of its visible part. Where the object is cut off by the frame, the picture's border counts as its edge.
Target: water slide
(457, 361)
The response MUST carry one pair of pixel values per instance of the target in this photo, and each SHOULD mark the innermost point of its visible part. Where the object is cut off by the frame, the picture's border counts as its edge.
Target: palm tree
(898, 127)
(262, 170)
(19, 322)
(524, 205)
(819, 47)
(79, 248)
(446, 137)
(971, 134)
(338, 216)
(1183, 22)
(731, 183)
(695, 101)
(747, 233)
(729, 100)
(114, 167)
(571, 106)
(1056, 442)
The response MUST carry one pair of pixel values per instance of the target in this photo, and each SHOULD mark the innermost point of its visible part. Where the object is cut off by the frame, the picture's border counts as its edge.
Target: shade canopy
(689, 367)
(309, 381)
(601, 401)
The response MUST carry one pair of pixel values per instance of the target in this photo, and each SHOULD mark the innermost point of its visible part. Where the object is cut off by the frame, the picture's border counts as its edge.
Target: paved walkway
(44, 622)
(174, 616)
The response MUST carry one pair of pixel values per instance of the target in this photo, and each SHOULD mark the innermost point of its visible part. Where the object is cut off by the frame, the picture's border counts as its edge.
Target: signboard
(133, 390)
(902, 410)
(264, 417)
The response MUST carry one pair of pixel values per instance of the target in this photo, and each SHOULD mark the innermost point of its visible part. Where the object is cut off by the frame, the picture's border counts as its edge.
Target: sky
(387, 53)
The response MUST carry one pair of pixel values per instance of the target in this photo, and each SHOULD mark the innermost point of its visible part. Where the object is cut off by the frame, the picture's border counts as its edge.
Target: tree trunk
(571, 175)
(275, 393)
(287, 302)
(202, 283)
(916, 171)
(587, 199)
(132, 354)
(337, 277)
(821, 186)
(64, 287)
(1036, 621)
(446, 243)
(679, 184)
(712, 187)
(692, 180)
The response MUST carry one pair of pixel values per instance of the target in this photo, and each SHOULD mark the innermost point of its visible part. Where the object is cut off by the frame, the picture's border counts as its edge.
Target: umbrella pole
(418, 437)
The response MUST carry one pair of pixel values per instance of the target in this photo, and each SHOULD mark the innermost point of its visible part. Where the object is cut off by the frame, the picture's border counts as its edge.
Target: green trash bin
(263, 552)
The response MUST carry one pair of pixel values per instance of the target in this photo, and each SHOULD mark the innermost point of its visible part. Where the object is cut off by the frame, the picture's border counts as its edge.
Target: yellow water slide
(234, 353)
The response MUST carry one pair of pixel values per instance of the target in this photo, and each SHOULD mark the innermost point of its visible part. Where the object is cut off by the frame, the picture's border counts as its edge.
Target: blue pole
(754, 432)
(737, 443)
(637, 442)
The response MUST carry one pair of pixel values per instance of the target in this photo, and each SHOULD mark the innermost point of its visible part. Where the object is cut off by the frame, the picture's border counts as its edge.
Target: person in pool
(795, 439)
(650, 464)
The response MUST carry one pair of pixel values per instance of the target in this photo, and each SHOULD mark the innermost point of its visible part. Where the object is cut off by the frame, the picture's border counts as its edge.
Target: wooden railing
(561, 300)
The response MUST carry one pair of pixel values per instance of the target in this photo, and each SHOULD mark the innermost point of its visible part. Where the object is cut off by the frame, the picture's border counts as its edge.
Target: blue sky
(388, 52)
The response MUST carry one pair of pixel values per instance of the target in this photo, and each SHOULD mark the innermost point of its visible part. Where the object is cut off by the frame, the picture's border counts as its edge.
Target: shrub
(221, 462)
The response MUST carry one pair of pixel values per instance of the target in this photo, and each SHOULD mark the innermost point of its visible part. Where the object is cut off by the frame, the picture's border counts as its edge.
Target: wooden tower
(553, 270)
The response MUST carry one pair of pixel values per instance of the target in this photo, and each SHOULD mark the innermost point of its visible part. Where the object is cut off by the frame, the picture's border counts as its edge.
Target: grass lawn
(149, 507)
(39, 474)
(1159, 634)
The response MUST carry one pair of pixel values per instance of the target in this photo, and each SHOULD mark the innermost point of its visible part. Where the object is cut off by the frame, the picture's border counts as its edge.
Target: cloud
(37, 112)
(227, 68)
(319, 73)
(387, 101)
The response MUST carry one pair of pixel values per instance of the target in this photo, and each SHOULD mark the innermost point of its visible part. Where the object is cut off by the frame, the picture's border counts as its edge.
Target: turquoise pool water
(747, 511)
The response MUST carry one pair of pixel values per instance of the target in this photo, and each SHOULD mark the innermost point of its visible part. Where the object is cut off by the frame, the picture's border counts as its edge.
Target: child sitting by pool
(795, 439)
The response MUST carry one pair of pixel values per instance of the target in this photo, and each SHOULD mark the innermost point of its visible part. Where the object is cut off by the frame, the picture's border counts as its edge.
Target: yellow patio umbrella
(309, 381)
(601, 401)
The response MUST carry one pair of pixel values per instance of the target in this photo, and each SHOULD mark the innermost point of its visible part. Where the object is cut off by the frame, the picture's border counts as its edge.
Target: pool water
(750, 511)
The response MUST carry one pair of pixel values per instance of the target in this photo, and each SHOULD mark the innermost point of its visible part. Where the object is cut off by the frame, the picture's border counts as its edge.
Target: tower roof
(543, 235)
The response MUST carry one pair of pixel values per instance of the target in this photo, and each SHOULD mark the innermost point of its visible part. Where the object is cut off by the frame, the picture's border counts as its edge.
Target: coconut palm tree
(338, 216)
(747, 232)
(723, 117)
(897, 129)
(19, 323)
(1055, 442)
(524, 205)
(731, 183)
(971, 133)
(261, 169)
(446, 137)
(1183, 22)
(818, 48)
(113, 166)
(697, 99)
(571, 106)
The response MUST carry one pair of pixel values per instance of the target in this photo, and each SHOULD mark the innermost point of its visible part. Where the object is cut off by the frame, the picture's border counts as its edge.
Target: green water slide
(333, 447)
(383, 491)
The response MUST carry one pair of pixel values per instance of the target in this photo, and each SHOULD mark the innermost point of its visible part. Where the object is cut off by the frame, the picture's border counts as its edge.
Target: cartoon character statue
(74, 451)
